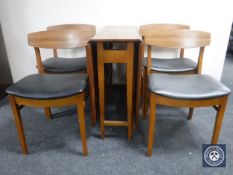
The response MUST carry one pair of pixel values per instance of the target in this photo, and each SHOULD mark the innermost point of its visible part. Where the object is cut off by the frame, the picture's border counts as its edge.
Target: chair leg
(151, 124)
(144, 94)
(218, 121)
(93, 108)
(19, 124)
(190, 113)
(48, 113)
(146, 103)
(81, 119)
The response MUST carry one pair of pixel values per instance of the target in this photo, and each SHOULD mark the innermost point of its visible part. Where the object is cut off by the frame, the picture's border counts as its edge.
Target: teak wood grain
(145, 30)
(155, 99)
(59, 39)
(148, 28)
(77, 27)
(77, 100)
(117, 35)
(176, 38)
(62, 39)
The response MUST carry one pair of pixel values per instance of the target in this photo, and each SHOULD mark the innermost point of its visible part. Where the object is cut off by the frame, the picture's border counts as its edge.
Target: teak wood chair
(175, 39)
(145, 30)
(183, 90)
(49, 90)
(62, 39)
(186, 91)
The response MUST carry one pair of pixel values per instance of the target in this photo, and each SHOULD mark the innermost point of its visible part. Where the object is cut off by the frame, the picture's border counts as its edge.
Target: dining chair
(186, 91)
(175, 39)
(183, 90)
(145, 30)
(58, 64)
(51, 90)
(62, 39)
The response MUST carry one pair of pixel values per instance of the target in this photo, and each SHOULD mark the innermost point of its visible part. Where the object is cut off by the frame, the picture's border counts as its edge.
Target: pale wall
(19, 17)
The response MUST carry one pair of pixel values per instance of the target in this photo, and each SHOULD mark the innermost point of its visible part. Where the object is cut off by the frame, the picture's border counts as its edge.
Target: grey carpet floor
(55, 146)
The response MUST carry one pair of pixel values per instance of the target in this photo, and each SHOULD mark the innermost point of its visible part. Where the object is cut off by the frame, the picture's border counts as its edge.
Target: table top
(118, 33)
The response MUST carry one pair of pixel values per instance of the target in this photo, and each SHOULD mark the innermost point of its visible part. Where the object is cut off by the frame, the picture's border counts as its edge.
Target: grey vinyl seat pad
(49, 86)
(171, 65)
(64, 65)
(193, 87)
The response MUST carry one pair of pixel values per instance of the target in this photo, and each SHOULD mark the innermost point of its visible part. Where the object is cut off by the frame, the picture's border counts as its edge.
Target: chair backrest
(147, 28)
(59, 39)
(79, 27)
(65, 39)
(178, 39)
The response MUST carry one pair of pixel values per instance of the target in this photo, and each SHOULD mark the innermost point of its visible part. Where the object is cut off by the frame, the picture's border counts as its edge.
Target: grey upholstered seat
(171, 65)
(64, 65)
(186, 86)
(49, 86)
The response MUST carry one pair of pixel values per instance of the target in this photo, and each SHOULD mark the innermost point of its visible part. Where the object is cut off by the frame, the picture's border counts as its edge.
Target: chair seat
(191, 87)
(171, 65)
(64, 65)
(49, 86)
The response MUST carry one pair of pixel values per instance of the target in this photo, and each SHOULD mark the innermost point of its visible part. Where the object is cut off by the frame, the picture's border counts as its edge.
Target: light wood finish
(77, 27)
(19, 124)
(61, 39)
(147, 28)
(81, 120)
(80, 27)
(117, 35)
(144, 30)
(105, 56)
(155, 99)
(140, 88)
(48, 113)
(115, 123)
(77, 100)
(90, 71)
(180, 39)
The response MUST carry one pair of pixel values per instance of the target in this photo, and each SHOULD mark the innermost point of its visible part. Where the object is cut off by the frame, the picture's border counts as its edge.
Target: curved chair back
(178, 39)
(79, 27)
(147, 28)
(59, 39)
(66, 39)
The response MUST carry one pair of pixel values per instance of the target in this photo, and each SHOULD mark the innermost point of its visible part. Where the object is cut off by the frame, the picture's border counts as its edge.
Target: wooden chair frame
(219, 105)
(78, 100)
(179, 39)
(145, 30)
(63, 40)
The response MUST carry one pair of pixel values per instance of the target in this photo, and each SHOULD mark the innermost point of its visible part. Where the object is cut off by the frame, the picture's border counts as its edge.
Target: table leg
(101, 95)
(129, 96)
